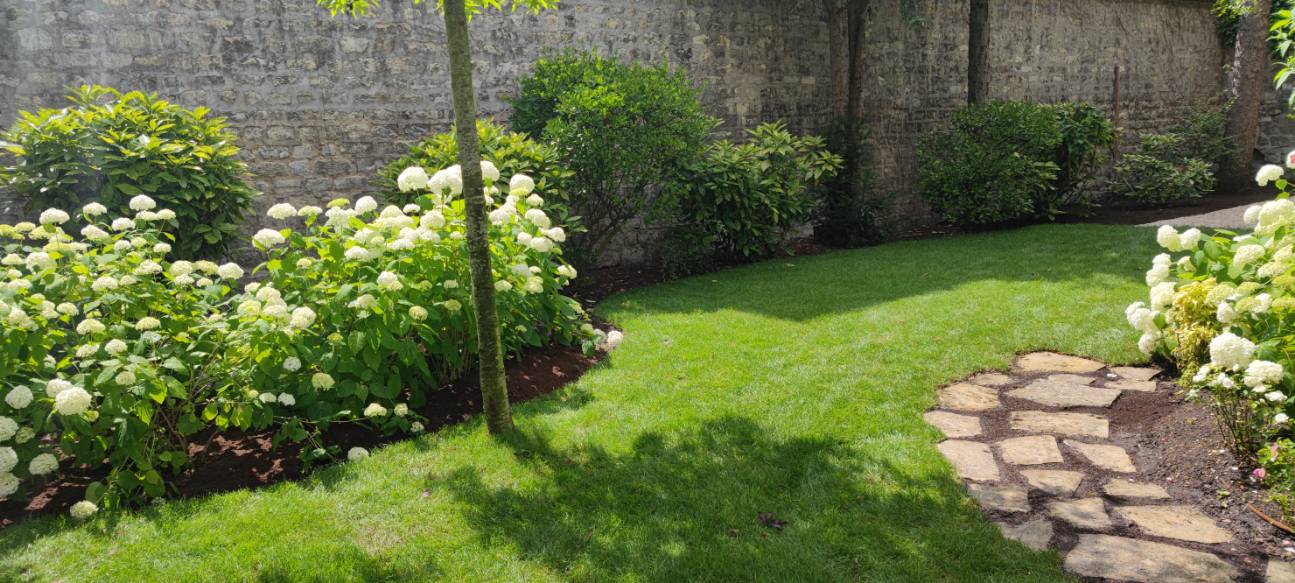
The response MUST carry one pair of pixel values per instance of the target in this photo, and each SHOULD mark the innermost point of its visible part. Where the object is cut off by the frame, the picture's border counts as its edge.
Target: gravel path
(1229, 218)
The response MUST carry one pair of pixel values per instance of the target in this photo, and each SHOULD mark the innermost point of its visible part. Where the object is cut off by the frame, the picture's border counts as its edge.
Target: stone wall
(320, 102)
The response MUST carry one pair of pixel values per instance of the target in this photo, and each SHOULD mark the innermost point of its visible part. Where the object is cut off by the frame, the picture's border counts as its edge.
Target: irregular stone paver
(1126, 489)
(1054, 482)
(952, 424)
(1053, 362)
(1136, 373)
(1140, 386)
(1110, 457)
(1065, 394)
(1280, 572)
(1087, 513)
(1062, 423)
(1035, 534)
(1076, 379)
(990, 379)
(1113, 557)
(1180, 522)
(968, 397)
(972, 461)
(1002, 498)
(1030, 450)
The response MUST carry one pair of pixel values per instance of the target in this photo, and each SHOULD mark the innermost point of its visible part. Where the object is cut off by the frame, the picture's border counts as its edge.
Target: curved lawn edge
(758, 423)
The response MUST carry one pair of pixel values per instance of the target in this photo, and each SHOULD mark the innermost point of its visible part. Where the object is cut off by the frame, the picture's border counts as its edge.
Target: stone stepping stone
(1140, 386)
(1001, 498)
(952, 424)
(1065, 394)
(972, 461)
(1075, 379)
(1112, 557)
(1179, 522)
(1083, 424)
(1031, 450)
(1126, 489)
(1035, 534)
(1053, 362)
(968, 397)
(1280, 572)
(1054, 482)
(1107, 457)
(1136, 373)
(991, 379)
(1089, 513)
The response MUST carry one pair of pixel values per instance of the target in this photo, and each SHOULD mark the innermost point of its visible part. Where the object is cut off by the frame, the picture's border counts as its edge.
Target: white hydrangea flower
(302, 318)
(1231, 352)
(1143, 320)
(401, 409)
(411, 209)
(489, 172)
(1275, 396)
(521, 185)
(1226, 313)
(55, 386)
(83, 510)
(230, 271)
(146, 216)
(115, 347)
(412, 178)
(454, 305)
(448, 180)
(94, 209)
(363, 302)
(416, 427)
(148, 323)
(1251, 215)
(558, 234)
(73, 401)
(268, 238)
(267, 398)
(292, 364)
(418, 313)
(357, 453)
(366, 204)
(1168, 238)
(166, 215)
(8, 485)
(125, 379)
(90, 326)
(42, 464)
(8, 427)
(309, 211)
(11, 260)
(287, 400)
(249, 309)
(538, 218)
(534, 200)
(148, 267)
(540, 244)
(123, 224)
(281, 212)
(1263, 372)
(503, 285)
(322, 381)
(8, 459)
(567, 271)
(1268, 173)
(360, 254)
(93, 233)
(18, 397)
(389, 281)
(534, 285)
(1247, 254)
(142, 203)
(53, 217)
(375, 410)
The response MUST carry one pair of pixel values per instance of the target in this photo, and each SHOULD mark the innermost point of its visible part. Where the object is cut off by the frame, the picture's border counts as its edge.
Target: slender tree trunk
(494, 388)
(838, 60)
(856, 11)
(978, 52)
(1246, 88)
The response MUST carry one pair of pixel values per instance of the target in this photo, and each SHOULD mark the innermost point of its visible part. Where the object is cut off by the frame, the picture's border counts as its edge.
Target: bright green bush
(1158, 173)
(993, 165)
(1086, 134)
(1221, 309)
(743, 198)
(359, 315)
(625, 131)
(512, 153)
(109, 147)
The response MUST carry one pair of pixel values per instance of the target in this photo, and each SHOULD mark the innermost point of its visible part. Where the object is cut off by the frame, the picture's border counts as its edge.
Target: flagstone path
(1026, 478)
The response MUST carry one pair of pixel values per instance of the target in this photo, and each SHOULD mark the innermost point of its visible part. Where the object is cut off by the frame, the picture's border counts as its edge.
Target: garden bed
(235, 460)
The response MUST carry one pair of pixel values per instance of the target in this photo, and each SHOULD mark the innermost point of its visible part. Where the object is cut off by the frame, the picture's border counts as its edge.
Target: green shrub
(1205, 136)
(626, 132)
(109, 147)
(1086, 134)
(512, 153)
(745, 197)
(848, 213)
(994, 164)
(112, 355)
(1158, 173)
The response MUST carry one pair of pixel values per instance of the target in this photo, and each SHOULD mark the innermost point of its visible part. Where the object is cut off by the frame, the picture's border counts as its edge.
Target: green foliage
(994, 164)
(1228, 18)
(1086, 134)
(848, 213)
(743, 198)
(1157, 173)
(110, 147)
(626, 131)
(511, 153)
(1205, 136)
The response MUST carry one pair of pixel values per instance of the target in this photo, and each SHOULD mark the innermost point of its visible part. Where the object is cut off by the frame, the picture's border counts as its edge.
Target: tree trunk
(494, 388)
(1246, 88)
(837, 37)
(978, 52)
(855, 10)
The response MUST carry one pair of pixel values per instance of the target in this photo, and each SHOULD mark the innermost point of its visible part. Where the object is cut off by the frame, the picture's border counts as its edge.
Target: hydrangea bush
(112, 355)
(1220, 307)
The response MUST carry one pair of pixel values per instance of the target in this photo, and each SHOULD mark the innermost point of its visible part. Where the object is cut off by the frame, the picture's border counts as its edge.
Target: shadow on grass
(727, 501)
(805, 288)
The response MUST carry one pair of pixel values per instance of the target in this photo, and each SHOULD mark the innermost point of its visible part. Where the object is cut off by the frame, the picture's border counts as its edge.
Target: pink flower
(1258, 474)
(1272, 449)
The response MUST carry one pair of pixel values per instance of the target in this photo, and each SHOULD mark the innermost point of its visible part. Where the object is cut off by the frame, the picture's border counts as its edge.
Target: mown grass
(794, 387)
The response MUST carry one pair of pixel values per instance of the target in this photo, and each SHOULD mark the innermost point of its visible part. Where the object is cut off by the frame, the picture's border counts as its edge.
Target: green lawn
(793, 387)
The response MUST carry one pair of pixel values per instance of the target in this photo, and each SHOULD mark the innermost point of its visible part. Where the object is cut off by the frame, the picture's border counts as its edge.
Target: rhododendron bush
(113, 355)
(1222, 308)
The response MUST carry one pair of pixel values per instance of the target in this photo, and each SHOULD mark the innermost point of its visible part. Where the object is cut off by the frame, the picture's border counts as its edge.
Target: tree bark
(838, 60)
(494, 388)
(978, 52)
(856, 10)
(1246, 88)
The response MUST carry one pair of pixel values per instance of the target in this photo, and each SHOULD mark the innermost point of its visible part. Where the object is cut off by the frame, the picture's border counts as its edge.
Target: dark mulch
(1176, 444)
(235, 460)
